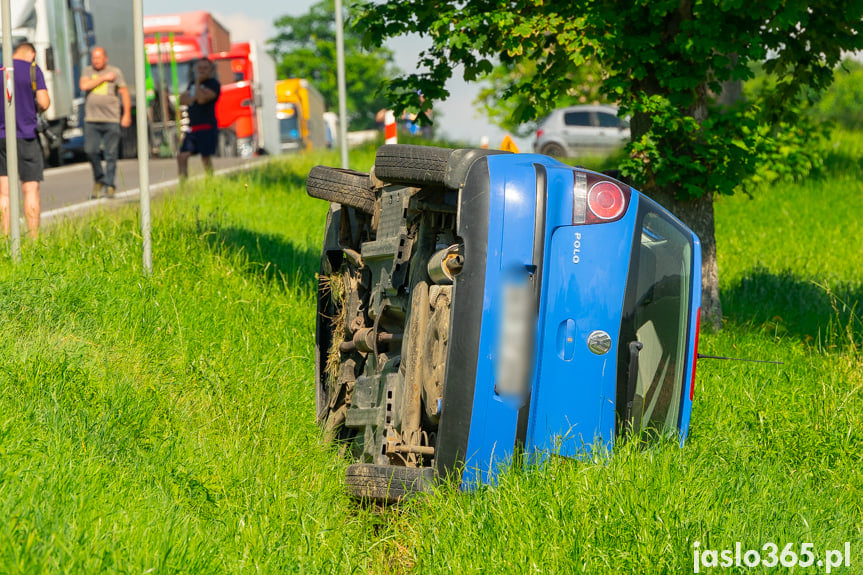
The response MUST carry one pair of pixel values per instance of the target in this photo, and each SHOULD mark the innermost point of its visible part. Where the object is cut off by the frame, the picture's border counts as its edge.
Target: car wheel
(553, 150)
(339, 296)
(386, 484)
(346, 187)
(410, 165)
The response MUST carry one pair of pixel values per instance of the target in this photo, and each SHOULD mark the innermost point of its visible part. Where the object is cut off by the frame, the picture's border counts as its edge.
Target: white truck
(63, 32)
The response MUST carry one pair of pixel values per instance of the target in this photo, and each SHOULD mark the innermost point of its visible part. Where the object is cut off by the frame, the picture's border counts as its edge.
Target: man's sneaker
(97, 191)
(110, 191)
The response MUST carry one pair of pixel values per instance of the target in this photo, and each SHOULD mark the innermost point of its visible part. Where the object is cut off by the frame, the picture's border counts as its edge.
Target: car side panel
(694, 309)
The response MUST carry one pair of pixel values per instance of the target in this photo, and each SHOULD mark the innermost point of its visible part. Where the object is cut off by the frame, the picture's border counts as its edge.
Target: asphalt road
(66, 190)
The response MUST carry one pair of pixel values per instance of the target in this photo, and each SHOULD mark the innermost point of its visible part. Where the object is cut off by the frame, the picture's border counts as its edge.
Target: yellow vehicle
(300, 110)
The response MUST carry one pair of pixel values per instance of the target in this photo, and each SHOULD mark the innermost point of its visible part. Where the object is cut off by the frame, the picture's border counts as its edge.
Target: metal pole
(340, 74)
(11, 136)
(143, 144)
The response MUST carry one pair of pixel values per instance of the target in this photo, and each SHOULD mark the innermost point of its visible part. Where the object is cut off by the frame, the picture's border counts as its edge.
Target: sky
(457, 118)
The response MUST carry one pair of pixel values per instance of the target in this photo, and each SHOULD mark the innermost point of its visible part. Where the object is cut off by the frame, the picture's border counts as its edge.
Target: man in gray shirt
(103, 116)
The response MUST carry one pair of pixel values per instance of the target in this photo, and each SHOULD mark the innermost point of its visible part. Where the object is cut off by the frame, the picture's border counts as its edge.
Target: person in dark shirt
(203, 133)
(29, 102)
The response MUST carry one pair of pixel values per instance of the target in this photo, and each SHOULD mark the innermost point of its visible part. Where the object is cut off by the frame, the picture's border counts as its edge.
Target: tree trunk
(698, 215)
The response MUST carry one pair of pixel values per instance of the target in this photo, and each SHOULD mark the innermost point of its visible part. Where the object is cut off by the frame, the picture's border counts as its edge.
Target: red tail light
(695, 354)
(606, 201)
(597, 200)
(539, 133)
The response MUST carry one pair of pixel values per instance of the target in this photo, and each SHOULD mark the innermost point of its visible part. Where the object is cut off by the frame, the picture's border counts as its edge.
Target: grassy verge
(165, 424)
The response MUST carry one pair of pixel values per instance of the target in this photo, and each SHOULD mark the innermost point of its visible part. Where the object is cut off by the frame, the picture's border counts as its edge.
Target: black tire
(553, 150)
(327, 309)
(386, 484)
(412, 165)
(346, 187)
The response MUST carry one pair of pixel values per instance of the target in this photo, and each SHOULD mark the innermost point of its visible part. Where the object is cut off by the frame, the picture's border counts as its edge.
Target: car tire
(553, 150)
(386, 484)
(331, 394)
(346, 187)
(410, 165)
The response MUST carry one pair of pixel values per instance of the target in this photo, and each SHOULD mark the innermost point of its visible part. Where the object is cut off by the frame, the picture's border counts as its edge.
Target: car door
(611, 131)
(577, 128)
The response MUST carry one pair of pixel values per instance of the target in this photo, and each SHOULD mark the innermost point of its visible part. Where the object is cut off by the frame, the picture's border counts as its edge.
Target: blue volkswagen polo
(474, 304)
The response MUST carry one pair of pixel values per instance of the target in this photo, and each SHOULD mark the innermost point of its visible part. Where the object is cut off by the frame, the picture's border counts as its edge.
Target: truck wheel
(346, 187)
(386, 484)
(412, 165)
(227, 144)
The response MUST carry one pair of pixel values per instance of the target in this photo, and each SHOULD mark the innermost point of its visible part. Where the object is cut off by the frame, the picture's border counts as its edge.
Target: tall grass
(166, 424)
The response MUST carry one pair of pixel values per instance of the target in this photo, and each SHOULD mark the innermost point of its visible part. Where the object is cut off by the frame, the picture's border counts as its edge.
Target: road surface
(66, 190)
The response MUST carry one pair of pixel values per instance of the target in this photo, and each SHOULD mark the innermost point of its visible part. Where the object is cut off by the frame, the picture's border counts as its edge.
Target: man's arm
(87, 83)
(43, 100)
(126, 119)
(204, 94)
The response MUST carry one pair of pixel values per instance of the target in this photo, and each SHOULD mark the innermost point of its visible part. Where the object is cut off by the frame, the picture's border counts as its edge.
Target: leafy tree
(305, 47)
(584, 83)
(666, 62)
(843, 102)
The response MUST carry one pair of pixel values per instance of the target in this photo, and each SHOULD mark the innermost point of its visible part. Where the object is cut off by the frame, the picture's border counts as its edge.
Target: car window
(656, 315)
(608, 120)
(576, 118)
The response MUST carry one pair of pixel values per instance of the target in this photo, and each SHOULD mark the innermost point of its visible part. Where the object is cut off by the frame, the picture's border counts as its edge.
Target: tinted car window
(576, 118)
(608, 121)
(656, 314)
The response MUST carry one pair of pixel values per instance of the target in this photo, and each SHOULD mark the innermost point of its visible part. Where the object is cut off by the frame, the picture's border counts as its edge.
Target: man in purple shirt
(27, 105)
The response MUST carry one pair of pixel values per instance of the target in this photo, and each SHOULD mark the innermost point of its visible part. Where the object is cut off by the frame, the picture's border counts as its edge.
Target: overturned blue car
(475, 304)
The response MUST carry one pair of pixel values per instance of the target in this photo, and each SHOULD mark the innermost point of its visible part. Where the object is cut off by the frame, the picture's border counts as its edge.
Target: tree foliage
(584, 84)
(305, 47)
(666, 62)
(843, 102)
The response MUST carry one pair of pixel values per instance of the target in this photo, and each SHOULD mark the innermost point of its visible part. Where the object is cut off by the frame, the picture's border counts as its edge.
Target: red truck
(175, 42)
(246, 109)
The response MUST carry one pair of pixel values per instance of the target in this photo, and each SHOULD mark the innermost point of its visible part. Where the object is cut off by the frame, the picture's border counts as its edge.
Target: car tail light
(597, 200)
(605, 200)
(539, 133)
(695, 354)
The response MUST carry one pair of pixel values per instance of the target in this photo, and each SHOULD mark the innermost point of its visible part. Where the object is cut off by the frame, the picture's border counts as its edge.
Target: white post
(11, 136)
(143, 140)
(340, 74)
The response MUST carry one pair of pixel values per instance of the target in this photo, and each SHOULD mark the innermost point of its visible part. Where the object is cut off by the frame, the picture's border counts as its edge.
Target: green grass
(166, 424)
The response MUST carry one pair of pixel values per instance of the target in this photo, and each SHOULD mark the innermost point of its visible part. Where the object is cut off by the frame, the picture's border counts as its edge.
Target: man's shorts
(30, 164)
(200, 142)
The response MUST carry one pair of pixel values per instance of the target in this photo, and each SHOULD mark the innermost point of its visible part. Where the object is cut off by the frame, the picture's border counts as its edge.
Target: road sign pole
(340, 69)
(143, 140)
(11, 136)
